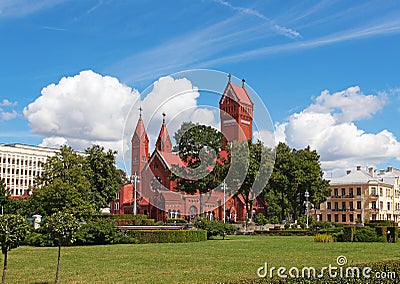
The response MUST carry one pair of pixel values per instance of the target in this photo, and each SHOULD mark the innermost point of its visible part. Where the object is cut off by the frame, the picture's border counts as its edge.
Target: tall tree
(295, 172)
(63, 185)
(199, 147)
(80, 184)
(63, 228)
(13, 230)
(103, 176)
(251, 166)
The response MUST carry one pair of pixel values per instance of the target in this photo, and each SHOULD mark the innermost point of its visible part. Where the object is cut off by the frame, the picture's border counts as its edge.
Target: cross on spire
(140, 112)
(163, 120)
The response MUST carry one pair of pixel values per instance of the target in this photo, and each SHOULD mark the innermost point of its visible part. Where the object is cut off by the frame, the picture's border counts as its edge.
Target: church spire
(140, 146)
(163, 143)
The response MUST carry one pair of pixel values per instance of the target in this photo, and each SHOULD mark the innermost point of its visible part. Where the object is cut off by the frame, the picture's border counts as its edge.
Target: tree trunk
(58, 263)
(3, 279)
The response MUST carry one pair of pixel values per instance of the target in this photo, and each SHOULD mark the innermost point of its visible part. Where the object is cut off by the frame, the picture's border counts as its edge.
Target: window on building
(351, 218)
(358, 204)
(373, 190)
(343, 217)
(143, 158)
(329, 205)
(358, 190)
(388, 206)
(336, 218)
(373, 205)
(335, 192)
(351, 191)
(381, 205)
(343, 191)
(343, 205)
(388, 192)
(329, 217)
(336, 206)
(380, 191)
(373, 216)
(351, 205)
(359, 217)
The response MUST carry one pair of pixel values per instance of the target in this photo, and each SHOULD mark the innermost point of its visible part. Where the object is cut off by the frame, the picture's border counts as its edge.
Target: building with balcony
(363, 195)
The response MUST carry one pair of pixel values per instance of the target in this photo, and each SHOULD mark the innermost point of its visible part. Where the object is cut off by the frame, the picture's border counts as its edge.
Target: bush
(159, 223)
(215, 228)
(367, 234)
(260, 219)
(38, 238)
(101, 232)
(274, 220)
(323, 238)
(348, 234)
(168, 236)
(147, 222)
(176, 220)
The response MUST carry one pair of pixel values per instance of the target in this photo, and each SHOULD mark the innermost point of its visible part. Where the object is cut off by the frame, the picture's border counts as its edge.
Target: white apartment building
(363, 195)
(20, 164)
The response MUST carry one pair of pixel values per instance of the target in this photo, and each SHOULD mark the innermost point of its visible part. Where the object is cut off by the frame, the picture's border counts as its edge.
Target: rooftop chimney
(358, 168)
(389, 169)
(243, 81)
(348, 172)
(371, 171)
(381, 172)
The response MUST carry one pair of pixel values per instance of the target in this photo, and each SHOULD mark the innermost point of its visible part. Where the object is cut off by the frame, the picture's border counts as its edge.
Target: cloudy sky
(73, 71)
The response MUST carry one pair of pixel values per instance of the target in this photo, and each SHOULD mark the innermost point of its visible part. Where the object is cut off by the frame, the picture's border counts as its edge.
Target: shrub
(159, 223)
(176, 220)
(260, 219)
(323, 238)
(147, 222)
(274, 220)
(101, 232)
(367, 234)
(348, 234)
(215, 228)
(168, 236)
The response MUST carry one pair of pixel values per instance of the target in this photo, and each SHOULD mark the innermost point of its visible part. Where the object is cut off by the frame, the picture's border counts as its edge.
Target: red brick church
(157, 196)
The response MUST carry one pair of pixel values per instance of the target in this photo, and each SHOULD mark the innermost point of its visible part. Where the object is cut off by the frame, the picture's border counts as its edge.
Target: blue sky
(327, 71)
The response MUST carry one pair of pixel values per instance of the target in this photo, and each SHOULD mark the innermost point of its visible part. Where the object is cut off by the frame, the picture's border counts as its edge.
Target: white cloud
(6, 102)
(8, 115)
(82, 109)
(53, 142)
(177, 98)
(349, 105)
(328, 126)
(89, 108)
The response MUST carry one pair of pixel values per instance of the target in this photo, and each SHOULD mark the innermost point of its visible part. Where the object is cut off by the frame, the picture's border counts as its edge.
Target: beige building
(363, 195)
(20, 164)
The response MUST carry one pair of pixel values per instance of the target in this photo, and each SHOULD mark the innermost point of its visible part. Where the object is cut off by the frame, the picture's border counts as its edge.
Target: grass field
(230, 260)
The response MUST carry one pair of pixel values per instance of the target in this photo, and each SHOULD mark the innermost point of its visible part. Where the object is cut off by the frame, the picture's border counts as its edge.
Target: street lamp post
(224, 188)
(135, 179)
(307, 195)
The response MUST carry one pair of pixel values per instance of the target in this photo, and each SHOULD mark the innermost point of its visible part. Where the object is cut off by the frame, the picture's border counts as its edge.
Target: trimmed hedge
(168, 236)
(176, 220)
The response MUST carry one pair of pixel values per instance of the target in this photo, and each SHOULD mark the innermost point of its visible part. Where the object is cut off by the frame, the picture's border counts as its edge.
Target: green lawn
(234, 259)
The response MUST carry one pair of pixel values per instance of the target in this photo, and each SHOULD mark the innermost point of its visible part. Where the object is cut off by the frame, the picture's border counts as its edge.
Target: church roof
(241, 94)
(164, 143)
(140, 130)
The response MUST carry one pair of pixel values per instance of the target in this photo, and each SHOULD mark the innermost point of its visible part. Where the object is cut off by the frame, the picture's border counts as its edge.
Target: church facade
(157, 195)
